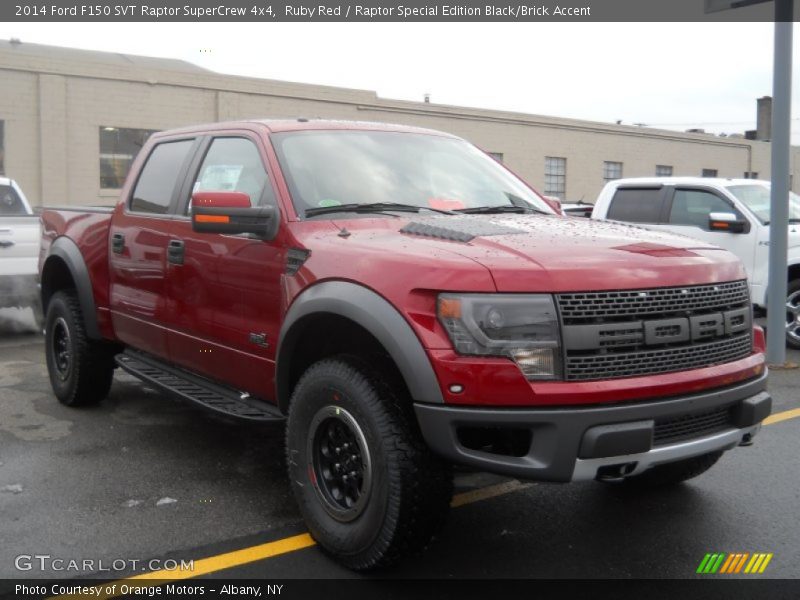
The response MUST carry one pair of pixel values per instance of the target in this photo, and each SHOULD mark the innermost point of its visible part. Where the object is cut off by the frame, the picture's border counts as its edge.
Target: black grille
(686, 427)
(619, 304)
(665, 360)
(630, 333)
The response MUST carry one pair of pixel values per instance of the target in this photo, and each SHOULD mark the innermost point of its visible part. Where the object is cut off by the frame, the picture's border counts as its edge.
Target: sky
(669, 75)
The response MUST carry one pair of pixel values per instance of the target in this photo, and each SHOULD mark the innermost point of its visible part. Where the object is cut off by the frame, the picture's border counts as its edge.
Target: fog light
(535, 362)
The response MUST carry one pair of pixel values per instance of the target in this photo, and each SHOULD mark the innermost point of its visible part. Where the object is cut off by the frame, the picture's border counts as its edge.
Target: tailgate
(19, 245)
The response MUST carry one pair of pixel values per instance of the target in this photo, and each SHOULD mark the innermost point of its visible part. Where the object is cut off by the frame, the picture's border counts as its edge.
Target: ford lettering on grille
(640, 332)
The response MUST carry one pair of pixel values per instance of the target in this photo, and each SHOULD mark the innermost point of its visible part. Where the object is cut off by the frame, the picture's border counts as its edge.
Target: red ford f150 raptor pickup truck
(406, 304)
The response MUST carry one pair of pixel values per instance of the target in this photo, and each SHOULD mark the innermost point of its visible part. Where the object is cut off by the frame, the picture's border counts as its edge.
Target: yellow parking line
(237, 558)
(782, 416)
(244, 556)
(488, 492)
(201, 567)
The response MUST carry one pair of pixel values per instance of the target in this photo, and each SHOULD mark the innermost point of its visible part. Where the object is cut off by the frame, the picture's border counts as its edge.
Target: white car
(730, 213)
(19, 250)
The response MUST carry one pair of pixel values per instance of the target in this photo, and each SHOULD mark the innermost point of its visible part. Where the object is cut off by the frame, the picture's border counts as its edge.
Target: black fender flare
(376, 315)
(68, 251)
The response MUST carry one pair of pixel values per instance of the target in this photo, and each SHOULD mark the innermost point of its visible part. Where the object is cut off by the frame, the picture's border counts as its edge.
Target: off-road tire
(793, 341)
(673, 473)
(83, 376)
(410, 490)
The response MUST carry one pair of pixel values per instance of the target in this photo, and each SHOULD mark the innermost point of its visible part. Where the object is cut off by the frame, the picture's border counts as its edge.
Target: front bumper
(573, 444)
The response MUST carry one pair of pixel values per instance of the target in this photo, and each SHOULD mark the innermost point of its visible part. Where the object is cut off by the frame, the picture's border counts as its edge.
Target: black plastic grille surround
(622, 351)
(685, 427)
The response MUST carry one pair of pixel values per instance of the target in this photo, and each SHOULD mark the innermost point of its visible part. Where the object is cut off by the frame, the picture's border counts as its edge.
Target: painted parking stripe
(244, 556)
(782, 416)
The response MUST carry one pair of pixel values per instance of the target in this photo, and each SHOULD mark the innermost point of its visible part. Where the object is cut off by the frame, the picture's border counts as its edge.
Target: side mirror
(725, 221)
(230, 212)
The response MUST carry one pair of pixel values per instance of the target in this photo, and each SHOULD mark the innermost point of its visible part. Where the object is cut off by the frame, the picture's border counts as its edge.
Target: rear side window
(636, 205)
(154, 190)
(692, 207)
(10, 202)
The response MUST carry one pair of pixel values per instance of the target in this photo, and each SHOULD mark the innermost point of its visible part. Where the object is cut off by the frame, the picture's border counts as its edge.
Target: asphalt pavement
(144, 476)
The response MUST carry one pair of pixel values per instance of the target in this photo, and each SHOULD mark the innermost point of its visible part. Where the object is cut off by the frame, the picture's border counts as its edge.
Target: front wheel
(793, 315)
(370, 490)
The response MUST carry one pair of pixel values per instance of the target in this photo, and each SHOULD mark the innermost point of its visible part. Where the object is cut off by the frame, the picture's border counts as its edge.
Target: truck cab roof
(708, 181)
(303, 124)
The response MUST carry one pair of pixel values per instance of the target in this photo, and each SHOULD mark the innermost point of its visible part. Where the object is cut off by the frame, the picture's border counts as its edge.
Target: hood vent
(457, 229)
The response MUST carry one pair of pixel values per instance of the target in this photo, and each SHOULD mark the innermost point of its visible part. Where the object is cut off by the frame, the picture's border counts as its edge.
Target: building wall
(54, 102)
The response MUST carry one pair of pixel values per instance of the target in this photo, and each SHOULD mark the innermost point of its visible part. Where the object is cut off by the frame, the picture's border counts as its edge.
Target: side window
(233, 164)
(10, 202)
(692, 207)
(636, 205)
(153, 191)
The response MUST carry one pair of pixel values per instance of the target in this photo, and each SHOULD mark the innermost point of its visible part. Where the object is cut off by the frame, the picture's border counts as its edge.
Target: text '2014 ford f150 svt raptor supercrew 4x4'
(406, 304)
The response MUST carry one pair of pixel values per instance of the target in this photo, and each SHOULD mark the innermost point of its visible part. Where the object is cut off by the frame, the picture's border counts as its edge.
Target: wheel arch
(794, 271)
(65, 268)
(343, 303)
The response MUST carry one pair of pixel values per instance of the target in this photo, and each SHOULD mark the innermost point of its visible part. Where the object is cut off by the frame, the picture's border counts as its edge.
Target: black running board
(212, 396)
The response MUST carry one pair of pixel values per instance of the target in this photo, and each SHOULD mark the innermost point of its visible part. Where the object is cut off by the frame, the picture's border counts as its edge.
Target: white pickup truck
(730, 213)
(19, 250)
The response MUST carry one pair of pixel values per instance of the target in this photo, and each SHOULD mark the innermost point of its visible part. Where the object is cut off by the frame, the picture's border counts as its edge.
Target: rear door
(225, 291)
(139, 234)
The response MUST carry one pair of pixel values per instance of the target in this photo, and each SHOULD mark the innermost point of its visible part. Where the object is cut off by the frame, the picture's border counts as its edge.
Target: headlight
(523, 328)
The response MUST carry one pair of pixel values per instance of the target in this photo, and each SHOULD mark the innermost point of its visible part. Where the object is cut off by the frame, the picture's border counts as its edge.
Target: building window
(498, 156)
(2, 147)
(555, 176)
(612, 170)
(751, 174)
(709, 172)
(663, 171)
(118, 148)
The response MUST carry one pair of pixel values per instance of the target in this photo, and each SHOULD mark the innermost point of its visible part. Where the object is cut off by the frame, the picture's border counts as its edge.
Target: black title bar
(550, 11)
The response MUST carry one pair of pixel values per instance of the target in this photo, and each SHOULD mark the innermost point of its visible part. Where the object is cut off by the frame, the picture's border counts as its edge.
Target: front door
(224, 296)
(688, 214)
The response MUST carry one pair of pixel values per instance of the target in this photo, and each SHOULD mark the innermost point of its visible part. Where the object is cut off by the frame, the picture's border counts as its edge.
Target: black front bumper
(569, 444)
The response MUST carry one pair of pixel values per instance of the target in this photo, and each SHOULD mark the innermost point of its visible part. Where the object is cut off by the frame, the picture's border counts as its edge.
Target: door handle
(117, 243)
(175, 252)
(6, 243)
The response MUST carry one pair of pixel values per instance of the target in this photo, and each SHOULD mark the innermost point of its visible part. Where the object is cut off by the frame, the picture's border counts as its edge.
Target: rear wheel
(793, 315)
(370, 490)
(80, 369)
(674, 473)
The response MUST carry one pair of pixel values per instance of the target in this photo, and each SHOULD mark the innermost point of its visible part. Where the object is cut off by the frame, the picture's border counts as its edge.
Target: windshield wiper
(372, 207)
(503, 208)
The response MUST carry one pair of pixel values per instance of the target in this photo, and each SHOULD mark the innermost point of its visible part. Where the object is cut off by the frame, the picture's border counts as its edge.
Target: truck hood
(543, 253)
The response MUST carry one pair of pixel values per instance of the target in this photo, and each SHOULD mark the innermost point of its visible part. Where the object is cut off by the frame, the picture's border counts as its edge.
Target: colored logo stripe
(720, 562)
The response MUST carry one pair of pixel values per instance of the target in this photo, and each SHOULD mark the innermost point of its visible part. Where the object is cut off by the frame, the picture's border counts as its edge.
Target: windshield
(756, 198)
(332, 168)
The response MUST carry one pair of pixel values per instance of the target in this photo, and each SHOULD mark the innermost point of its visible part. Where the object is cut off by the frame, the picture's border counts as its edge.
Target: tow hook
(747, 439)
(615, 472)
